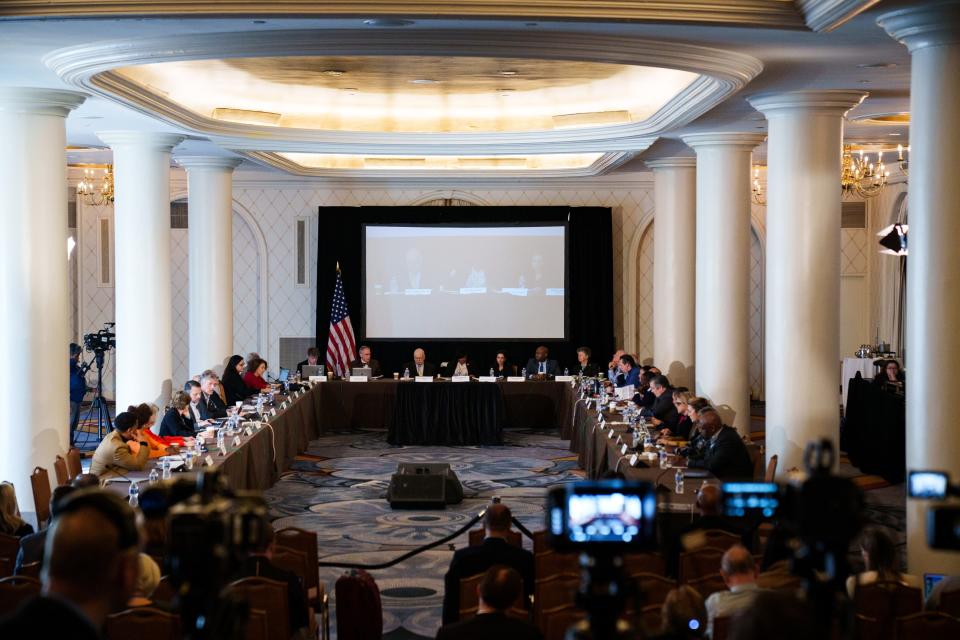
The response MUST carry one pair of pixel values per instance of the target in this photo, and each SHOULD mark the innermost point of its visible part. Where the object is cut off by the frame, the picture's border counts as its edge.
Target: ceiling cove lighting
(534, 162)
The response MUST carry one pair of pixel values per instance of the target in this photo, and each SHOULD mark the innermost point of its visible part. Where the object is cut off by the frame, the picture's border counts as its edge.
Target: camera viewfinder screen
(741, 499)
(608, 517)
(928, 484)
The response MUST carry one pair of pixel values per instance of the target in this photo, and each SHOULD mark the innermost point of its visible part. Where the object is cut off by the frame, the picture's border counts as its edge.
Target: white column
(723, 272)
(141, 170)
(210, 186)
(803, 268)
(35, 391)
(932, 349)
(674, 266)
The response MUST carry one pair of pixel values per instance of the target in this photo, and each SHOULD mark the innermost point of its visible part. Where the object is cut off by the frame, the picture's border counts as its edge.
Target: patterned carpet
(338, 488)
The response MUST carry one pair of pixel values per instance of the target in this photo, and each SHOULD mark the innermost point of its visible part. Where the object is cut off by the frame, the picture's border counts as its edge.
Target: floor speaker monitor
(424, 486)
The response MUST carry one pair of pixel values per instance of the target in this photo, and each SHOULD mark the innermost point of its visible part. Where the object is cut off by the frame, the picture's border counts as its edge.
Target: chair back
(293, 561)
(950, 603)
(305, 542)
(15, 590)
(756, 456)
(709, 584)
(551, 563)
(778, 580)
(40, 482)
(702, 562)
(867, 628)
(771, 469)
(557, 621)
(541, 542)
(165, 591)
(60, 469)
(9, 547)
(720, 539)
(885, 600)
(721, 628)
(270, 596)
(477, 535)
(929, 625)
(30, 569)
(552, 593)
(469, 600)
(74, 468)
(654, 587)
(257, 625)
(143, 623)
(636, 563)
(652, 618)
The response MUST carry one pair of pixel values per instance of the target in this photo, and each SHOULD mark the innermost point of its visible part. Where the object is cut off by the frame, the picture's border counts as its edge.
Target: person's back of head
(683, 613)
(708, 500)
(497, 519)
(85, 480)
(148, 576)
(58, 495)
(880, 554)
(124, 421)
(500, 587)
(737, 566)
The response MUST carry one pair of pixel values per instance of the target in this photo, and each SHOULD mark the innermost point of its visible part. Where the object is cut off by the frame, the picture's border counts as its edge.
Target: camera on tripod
(943, 522)
(101, 341)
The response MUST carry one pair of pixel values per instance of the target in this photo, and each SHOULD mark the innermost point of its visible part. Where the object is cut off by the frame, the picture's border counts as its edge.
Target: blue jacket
(78, 385)
(630, 378)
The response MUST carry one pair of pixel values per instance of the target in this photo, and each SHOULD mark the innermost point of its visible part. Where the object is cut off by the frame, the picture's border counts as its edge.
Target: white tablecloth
(850, 368)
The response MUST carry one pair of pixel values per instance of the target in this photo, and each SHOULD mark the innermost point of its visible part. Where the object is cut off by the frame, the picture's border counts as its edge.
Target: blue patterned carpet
(338, 489)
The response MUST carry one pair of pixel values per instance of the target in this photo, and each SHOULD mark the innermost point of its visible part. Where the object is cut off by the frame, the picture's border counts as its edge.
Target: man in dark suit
(498, 591)
(313, 359)
(540, 366)
(364, 360)
(726, 456)
(420, 366)
(31, 546)
(663, 413)
(584, 367)
(495, 549)
(211, 404)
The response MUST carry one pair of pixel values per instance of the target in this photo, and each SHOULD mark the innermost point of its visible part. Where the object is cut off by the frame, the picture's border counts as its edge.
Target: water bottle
(260, 405)
(524, 373)
(198, 444)
(566, 372)
(663, 459)
(406, 373)
(134, 495)
(165, 466)
(491, 372)
(154, 476)
(678, 480)
(220, 442)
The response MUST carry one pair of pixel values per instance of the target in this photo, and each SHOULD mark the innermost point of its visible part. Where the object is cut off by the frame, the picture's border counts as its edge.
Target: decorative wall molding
(747, 13)
(827, 15)
(451, 194)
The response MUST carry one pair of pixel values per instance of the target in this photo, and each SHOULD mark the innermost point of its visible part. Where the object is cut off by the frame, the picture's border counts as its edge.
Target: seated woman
(253, 378)
(501, 368)
(233, 384)
(176, 421)
(584, 367)
(697, 442)
(11, 523)
(890, 375)
(882, 562)
(682, 429)
(124, 449)
(146, 415)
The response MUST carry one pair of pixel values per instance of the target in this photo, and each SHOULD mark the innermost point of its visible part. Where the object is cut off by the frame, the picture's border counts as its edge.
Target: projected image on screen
(465, 282)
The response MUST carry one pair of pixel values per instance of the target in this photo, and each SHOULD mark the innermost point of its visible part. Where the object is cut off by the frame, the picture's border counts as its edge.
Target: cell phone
(750, 499)
(610, 515)
(928, 485)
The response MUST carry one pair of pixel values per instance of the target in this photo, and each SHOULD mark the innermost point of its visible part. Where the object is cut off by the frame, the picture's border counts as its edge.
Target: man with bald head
(90, 570)
(420, 366)
(499, 590)
(739, 571)
(469, 561)
(725, 455)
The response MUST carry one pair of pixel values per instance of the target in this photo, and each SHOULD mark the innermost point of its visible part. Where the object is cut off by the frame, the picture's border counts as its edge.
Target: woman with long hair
(881, 560)
(233, 385)
(10, 521)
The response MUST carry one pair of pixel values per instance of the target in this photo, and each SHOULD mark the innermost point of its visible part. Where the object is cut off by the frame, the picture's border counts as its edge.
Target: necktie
(419, 369)
(543, 367)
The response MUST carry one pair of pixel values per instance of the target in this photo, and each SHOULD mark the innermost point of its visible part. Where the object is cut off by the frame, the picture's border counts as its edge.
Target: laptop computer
(930, 580)
(362, 371)
(284, 375)
(312, 370)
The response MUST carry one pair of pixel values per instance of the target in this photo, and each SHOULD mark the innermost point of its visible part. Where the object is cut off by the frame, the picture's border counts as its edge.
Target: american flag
(341, 346)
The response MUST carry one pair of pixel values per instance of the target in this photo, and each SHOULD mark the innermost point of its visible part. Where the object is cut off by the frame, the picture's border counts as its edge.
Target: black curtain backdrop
(590, 280)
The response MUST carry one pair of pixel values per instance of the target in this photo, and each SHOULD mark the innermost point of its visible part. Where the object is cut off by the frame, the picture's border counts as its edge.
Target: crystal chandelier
(756, 191)
(903, 160)
(861, 177)
(94, 192)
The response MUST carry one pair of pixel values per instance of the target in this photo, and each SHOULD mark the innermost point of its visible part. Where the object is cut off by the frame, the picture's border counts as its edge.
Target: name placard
(248, 431)
(514, 291)
(623, 450)
(208, 460)
(358, 378)
(465, 291)
(460, 379)
(514, 378)
(423, 379)
(554, 291)
(317, 378)
(236, 441)
(563, 378)
(610, 434)
(488, 378)
(633, 460)
(417, 292)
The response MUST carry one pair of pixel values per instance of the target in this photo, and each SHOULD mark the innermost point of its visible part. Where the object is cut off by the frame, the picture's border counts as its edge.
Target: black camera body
(607, 516)
(101, 341)
(943, 522)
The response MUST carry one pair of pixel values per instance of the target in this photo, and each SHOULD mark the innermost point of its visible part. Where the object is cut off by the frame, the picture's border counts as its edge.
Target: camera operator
(78, 385)
(125, 449)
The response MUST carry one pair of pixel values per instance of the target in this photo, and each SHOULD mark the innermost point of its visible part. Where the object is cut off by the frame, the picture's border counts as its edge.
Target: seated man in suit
(313, 359)
(364, 360)
(663, 413)
(193, 389)
(212, 405)
(630, 372)
(541, 366)
(420, 366)
(498, 591)
(644, 396)
(725, 456)
(584, 367)
(460, 366)
(124, 449)
(31, 546)
(495, 549)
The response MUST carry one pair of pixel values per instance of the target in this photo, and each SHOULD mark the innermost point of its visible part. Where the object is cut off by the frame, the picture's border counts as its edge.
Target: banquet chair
(270, 596)
(30, 569)
(553, 592)
(867, 628)
(9, 547)
(885, 601)
(60, 469)
(708, 584)
(720, 539)
(296, 562)
(556, 621)
(651, 616)
(14, 590)
(551, 563)
(771, 469)
(721, 628)
(654, 587)
(636, 563)
(477, 536)
(40, 482)
(929, 625)
(143, 623)
(950, 603)
(701, 562)
(74, 466)
(305, 542)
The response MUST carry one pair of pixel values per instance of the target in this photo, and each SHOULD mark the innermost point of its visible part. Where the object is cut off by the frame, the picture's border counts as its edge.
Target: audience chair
(143, 623)
(305, 542)
(950, 603)
(720, 539)
(60, 469)
(771, 469)
(74, 467)
(477, 535)
(721, 628)
(557, 621)
(929, 625)
(40, 482)
(257, 625)
(756, 456)
(652, 618)
(296, 562)
(886, 601)
(269, 596)
(654, 587)
(636, 563)
(165, 591)
(30, 569)
(551, 563)
(14, 590)
(469, 601)
(779, 579)
(708, 584)
(541, 542)
(867, 628)
(704, 561)
(9, 547)
(552, 593)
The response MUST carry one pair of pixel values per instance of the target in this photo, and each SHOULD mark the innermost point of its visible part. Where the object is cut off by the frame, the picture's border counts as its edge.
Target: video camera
(943, 523)
(101, 341)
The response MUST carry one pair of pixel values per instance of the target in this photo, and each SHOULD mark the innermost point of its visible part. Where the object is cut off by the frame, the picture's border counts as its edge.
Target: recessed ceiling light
(334, 73)
(878, 65)
(387, 22)
(508, 73)
(423, 81)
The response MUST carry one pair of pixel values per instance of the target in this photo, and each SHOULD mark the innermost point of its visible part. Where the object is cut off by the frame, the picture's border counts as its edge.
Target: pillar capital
(825, 101)
(931, 25)
(51, 102)
(155, 140)
(736, 139)
(672, 162)
(208, 162)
